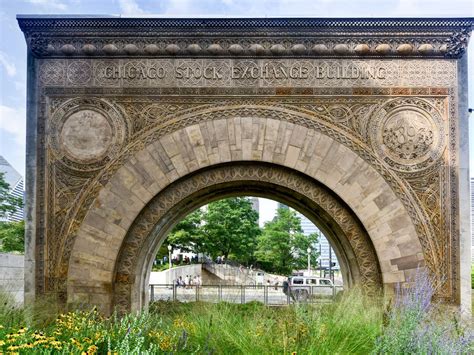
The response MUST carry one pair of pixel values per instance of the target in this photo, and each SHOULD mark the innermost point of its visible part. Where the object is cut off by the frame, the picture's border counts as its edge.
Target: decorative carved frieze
(108, 37)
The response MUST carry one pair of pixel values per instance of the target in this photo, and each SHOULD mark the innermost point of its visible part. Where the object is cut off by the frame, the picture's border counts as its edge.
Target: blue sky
(13, 48)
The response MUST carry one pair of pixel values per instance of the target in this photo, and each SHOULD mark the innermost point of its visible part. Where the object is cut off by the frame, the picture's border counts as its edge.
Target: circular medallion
(86, 135)
(409, 136)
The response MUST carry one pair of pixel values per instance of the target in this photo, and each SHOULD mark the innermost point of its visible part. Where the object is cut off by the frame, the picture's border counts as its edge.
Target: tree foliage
(228, 227)
(12, 234)
(231, 228)
(187, 234)
(282, 246)
(12, 237)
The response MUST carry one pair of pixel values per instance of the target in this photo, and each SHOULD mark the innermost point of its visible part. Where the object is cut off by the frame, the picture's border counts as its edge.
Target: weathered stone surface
(123, 131)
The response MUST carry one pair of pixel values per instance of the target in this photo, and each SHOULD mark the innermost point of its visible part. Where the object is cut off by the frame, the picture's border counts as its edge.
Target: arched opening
(333, 217)
(244, 249)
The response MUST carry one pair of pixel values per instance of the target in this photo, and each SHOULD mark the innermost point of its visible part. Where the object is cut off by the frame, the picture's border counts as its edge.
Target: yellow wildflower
(2, 343)
(22, 330)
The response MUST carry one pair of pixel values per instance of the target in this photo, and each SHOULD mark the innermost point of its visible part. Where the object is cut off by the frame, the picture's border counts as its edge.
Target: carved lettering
(265, 71)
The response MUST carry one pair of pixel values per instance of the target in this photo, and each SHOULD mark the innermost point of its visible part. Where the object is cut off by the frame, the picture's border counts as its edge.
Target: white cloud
(130, 8)
(13, 123)
(49, 4)
(186, 8)
(9, 66)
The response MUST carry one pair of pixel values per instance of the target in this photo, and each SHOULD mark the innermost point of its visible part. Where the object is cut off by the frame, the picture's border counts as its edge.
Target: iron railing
(269, 295)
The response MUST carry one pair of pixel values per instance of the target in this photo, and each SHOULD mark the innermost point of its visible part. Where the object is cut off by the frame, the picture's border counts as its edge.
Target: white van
(301, 288)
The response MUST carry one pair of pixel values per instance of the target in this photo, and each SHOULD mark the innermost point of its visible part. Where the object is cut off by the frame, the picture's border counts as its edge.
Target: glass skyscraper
(15, 182)
(323, 246)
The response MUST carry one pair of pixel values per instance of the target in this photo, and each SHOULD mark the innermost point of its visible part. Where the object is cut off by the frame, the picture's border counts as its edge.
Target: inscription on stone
(246, 72)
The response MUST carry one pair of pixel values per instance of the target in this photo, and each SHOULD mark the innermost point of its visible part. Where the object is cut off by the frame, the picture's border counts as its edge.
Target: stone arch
(352, 244)
(100, 238)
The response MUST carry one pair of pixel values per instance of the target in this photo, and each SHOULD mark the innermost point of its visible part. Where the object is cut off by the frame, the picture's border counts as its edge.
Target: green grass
(353, 325)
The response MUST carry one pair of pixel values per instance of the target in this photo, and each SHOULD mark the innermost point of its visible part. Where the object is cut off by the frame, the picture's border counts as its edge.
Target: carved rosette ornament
(408, 134)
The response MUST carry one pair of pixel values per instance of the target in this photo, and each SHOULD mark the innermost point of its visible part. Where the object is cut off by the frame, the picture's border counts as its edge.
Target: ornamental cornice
(54, 36)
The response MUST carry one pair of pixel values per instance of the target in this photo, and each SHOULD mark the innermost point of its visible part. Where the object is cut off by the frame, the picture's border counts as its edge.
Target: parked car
(302, 288)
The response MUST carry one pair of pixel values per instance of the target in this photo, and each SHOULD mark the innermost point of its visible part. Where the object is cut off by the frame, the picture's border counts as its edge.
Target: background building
(256, 206)
(15, 181)
(327, 254)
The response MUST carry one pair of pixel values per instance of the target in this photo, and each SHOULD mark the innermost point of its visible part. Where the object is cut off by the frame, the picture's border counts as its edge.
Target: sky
(13, 48)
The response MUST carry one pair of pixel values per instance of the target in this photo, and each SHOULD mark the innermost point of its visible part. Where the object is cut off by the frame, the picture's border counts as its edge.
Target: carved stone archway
(142, 172)
(121, 111)
(352, 244)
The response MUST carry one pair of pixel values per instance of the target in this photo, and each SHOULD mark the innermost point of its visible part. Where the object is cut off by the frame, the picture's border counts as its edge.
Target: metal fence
(269, 295)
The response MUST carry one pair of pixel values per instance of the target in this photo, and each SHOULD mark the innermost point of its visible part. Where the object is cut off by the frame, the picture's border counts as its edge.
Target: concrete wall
(168, 276)
(12, 275)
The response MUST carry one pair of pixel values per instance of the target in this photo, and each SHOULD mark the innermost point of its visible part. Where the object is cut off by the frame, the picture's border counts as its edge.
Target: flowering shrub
(417, 326)
(354, 324)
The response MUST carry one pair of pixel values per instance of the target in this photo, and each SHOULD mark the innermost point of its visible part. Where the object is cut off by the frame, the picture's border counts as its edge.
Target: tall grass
(354, 325)
(349, 326)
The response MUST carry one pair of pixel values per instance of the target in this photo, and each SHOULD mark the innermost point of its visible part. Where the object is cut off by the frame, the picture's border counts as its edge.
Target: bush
(415, 325)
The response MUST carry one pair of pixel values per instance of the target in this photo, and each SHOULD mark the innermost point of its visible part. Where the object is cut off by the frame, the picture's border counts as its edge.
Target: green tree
(12, 234)
(187, 234)
(12, 237)
(230, 228)
(8, 203)
(282, 245)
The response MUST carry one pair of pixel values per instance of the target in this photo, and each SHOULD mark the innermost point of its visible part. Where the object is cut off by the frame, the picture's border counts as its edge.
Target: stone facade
(360, 127)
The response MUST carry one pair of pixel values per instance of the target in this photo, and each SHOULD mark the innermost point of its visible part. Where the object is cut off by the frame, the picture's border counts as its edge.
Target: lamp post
(309, 261)
(169, 254)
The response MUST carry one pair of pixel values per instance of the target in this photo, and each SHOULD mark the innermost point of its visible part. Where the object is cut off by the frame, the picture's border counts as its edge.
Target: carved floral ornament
(409, 134)
(291, 38)
(352, 120)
